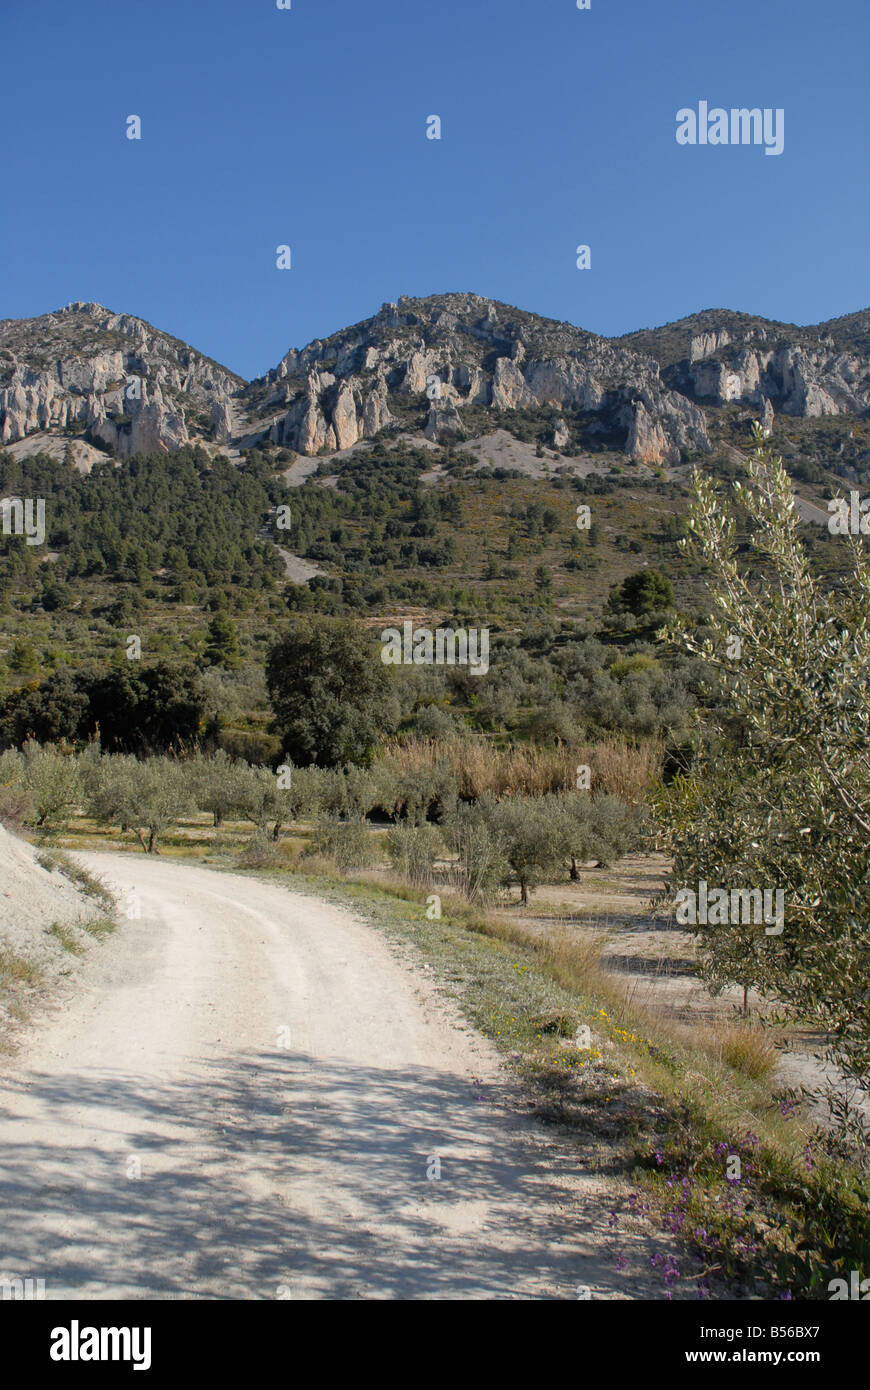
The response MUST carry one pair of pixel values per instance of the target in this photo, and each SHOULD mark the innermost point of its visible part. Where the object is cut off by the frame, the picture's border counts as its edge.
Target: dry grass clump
(618, 768)
(748, 1049)
(15, 969)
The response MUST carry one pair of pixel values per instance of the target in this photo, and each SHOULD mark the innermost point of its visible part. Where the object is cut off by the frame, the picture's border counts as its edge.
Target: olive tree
(53, 783)
(108, 784)
(779, 797)
(220, 785)
(600, 827)
(162, 794)
(530, 831)
(145, 797)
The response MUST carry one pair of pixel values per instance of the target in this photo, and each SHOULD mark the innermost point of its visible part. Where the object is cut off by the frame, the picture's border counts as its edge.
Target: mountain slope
(114, 378)
(462, 353)
(440, 368)
(719, 356)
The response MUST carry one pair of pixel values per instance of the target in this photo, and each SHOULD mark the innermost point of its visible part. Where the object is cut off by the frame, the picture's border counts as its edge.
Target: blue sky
(307, 127)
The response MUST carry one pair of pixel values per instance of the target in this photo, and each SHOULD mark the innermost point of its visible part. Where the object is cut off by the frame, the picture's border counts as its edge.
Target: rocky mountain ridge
(111, 377)
(823, 369)
(447, 366)
(461, 350)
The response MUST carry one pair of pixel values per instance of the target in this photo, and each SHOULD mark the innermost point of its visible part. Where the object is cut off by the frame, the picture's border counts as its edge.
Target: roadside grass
(17, 970)
(17, 974)
(67, 938)
(748, 1050)
(21, 978)
(98, 929)
(56, 859)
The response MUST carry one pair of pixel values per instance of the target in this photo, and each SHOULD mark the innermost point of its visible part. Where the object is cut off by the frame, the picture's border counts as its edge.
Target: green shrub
(347, 843)
(412, 851)
(481, 862)
(259, 852)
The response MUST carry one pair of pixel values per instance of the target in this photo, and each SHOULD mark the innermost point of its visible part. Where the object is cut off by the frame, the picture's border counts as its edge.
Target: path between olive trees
(247, 1093)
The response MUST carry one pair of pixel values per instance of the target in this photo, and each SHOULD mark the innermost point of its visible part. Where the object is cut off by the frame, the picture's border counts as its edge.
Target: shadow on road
(275, 1171)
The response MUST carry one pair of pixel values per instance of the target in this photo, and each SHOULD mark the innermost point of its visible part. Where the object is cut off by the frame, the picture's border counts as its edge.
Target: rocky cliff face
(797, 380)
(448, 366)
(110, 376)
(718, 357)
(457, 351)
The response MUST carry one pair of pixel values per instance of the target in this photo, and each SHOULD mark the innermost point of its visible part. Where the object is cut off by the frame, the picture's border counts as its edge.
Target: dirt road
(241, 1097)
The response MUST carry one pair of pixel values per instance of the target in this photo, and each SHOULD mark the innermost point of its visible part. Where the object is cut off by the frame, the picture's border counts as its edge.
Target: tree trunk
(276, 833)
(574, 874)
